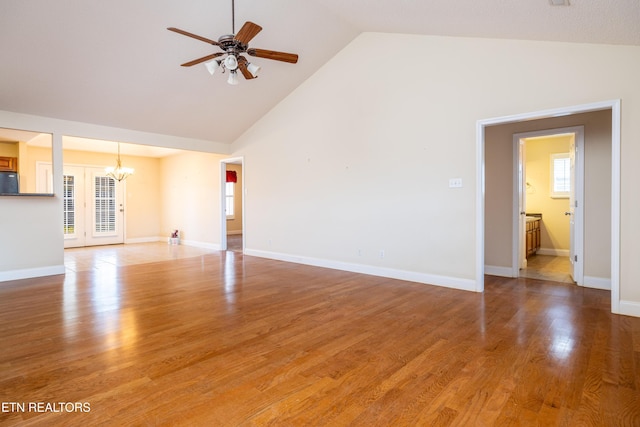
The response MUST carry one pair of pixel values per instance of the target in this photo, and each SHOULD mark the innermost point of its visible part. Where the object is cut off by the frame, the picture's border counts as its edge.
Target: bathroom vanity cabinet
(533, 235)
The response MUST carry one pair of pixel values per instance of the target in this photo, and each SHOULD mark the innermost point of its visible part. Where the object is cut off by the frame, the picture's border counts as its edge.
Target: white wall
(332, 172)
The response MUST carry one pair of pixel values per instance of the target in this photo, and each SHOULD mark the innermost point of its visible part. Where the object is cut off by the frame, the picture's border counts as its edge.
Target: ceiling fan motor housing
(229, 44)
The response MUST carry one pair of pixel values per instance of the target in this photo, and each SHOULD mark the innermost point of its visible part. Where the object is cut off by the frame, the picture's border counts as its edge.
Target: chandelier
(118, 172)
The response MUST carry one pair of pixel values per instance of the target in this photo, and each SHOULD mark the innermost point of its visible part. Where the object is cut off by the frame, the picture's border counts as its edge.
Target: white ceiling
(114, 63)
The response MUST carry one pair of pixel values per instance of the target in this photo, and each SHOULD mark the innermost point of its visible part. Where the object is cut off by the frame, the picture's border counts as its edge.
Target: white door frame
(614, 106)
(223, 201)
(577, 240)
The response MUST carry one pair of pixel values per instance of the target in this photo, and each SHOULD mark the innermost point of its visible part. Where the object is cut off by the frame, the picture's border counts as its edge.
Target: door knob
(568, 213)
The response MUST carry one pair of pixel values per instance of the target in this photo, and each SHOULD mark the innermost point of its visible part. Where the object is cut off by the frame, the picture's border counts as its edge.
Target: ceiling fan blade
(272, 54)
(243, 69)
(248, 31)
(203, 59)
(242, 64)
(195, 36)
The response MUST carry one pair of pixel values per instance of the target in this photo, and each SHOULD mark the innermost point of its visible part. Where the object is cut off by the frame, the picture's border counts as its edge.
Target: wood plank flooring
(222, 339)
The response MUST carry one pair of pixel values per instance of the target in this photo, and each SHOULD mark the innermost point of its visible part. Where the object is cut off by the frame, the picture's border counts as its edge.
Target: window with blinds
(229, 198)
(560, 175)
(105, 204)
(69, 215)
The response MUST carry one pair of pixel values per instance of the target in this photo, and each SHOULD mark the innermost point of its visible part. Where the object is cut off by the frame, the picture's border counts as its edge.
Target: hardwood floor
(225, 339)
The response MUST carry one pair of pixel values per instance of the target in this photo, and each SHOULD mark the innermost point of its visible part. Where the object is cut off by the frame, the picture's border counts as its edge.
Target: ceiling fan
(234, 46)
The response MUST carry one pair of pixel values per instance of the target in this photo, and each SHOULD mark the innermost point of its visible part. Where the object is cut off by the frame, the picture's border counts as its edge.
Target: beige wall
(234, 226)
(190, 185)
(8, 149)
(554, 224)
(499, 160)
(28, 168)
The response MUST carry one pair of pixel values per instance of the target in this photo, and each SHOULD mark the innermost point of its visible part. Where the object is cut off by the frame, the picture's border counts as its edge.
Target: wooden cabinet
(9, 164)
(533, 236)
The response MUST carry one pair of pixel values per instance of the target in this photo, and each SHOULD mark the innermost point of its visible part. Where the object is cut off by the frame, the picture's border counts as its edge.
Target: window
(560, 175)
(230, 186)
(105, 204)
(69, 212)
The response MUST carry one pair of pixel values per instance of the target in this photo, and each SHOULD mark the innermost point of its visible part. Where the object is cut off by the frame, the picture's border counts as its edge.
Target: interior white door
(93, 207)
(572, 208)
(522, 204)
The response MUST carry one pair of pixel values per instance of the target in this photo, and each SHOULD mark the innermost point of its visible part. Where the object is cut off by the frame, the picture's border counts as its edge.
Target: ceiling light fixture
(253, 69)
(233, 77)
(118, 172)
(559, 3)
(212, 66)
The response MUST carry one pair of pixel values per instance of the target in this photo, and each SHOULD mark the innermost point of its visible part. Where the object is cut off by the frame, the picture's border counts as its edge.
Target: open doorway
(495, 191)
(549, 172)
(232, 203)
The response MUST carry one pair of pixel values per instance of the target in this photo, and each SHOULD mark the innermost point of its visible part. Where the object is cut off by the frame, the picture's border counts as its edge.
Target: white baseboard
(164, 239)
(204, 245)
(553, 252)
(596, 282)
(145, 240)
(29, 273)
(630, 308)
(411, 276)
(498, 271)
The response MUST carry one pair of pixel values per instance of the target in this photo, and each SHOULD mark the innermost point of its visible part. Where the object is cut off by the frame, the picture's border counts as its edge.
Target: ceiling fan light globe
(233, 78)
(253, 69)
(212, 66)
(231, 62)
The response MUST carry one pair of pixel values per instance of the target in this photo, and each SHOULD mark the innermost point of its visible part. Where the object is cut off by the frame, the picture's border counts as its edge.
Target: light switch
(455, 182)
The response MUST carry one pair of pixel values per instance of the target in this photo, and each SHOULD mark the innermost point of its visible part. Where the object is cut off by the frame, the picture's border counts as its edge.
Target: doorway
(548, 218)
(610, 275)
(232, 219)
(93, 207)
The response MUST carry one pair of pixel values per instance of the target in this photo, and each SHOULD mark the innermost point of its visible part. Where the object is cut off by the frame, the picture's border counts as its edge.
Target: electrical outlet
(381, 253)
(455, 182)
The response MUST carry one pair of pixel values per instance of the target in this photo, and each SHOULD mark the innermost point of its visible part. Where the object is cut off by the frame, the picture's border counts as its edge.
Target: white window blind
(105, 204)
(229, 208)
(69, 197)
(560, 175)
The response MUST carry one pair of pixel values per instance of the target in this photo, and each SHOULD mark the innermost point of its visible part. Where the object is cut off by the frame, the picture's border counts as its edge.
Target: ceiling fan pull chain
(233, 17)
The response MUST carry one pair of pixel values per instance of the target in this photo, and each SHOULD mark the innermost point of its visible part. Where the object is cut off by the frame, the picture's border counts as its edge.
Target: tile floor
(109, 256)
(546, 267)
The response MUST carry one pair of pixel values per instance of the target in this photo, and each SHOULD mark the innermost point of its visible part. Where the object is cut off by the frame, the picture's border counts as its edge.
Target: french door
(93, 207)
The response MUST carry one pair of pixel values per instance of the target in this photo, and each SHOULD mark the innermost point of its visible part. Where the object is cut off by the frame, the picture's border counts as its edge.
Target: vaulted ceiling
(114, 63)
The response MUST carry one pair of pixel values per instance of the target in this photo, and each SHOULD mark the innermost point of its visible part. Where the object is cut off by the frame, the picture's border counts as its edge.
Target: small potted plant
(174, 239)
